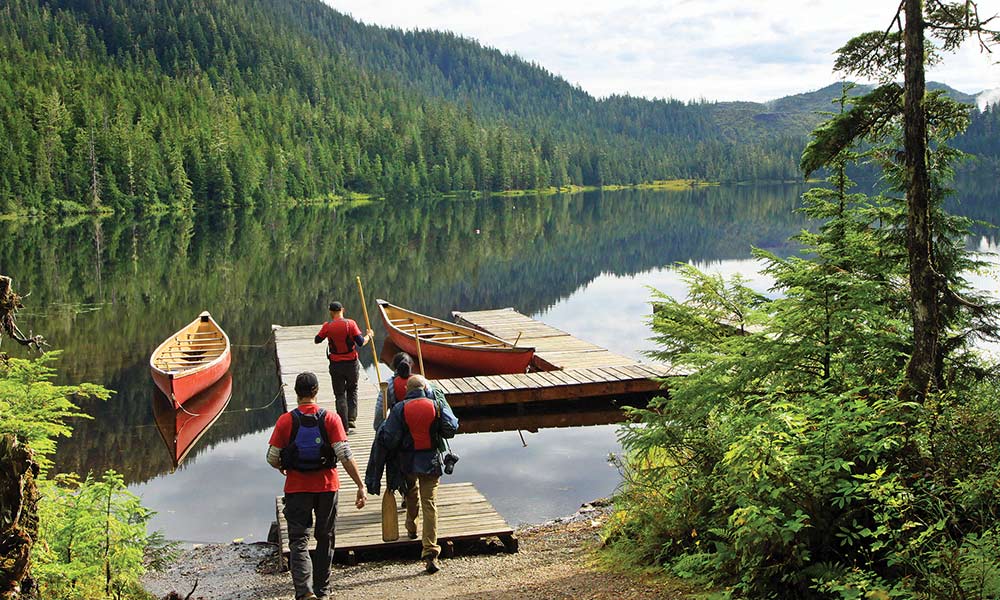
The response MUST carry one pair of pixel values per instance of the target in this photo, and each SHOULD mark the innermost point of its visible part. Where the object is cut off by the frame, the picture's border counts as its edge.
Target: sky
(686, 49)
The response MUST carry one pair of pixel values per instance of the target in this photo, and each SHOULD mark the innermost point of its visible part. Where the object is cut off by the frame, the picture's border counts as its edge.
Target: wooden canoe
(181, 428)
(453, 345)
(191, 359)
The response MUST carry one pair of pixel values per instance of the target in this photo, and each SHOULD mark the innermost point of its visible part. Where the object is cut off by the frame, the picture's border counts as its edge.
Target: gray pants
(310, 574)
(344, 375)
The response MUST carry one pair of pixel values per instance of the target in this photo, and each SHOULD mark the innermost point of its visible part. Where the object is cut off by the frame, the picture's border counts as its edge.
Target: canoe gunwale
(504, 347)
(171, 342)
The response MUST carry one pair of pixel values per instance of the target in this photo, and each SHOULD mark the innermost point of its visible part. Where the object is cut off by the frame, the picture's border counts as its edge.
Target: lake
(107, 291)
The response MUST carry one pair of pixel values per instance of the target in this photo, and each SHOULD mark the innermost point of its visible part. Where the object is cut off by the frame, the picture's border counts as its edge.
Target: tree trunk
(18, 517)
(923, 279)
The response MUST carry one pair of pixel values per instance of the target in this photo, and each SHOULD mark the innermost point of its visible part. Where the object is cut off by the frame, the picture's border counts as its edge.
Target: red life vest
(419, 414)
(339, 339)
(399, 388)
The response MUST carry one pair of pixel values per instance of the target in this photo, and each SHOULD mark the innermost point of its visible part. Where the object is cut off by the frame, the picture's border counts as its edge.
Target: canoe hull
(182, 387)
(191, 360)
(474, 360)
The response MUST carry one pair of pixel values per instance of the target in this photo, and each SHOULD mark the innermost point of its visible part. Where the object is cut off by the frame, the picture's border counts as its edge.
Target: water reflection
(181, 428)
(108, 291)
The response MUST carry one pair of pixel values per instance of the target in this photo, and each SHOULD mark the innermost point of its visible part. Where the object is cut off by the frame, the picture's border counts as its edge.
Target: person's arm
(352, 469)
(274, 458)
(448, 420)
(321, 335)
(378, 410)
(362, 340)
(276, 443)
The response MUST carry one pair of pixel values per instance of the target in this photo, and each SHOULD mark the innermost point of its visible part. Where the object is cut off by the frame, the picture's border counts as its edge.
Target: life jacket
(339, 340)
(309, 447)
(398, 389)
(420, 415)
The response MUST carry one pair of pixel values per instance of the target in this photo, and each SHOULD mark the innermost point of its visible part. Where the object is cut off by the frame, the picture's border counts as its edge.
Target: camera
(449, 462)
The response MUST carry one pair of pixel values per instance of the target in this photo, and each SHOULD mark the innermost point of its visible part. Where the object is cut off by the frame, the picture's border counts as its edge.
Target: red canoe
(456, 346)
(191, 359)
(181, 428)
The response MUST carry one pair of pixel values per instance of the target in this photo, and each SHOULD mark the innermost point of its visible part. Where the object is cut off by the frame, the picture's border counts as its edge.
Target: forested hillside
(124, 105)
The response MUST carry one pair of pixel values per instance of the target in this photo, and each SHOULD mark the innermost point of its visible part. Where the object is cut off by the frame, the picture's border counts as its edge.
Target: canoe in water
(191, 360)
(453, 345)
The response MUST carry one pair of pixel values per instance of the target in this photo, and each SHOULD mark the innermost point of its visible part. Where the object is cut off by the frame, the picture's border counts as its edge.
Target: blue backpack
(309, 447)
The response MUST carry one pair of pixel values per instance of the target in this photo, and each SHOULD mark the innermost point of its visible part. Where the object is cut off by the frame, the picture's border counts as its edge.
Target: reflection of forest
(255, 268)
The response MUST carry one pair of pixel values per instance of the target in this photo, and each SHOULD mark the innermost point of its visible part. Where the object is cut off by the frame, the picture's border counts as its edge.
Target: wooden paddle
(390, 515)
(420, 355)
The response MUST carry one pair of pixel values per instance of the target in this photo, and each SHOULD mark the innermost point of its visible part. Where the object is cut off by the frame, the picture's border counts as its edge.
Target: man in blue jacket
(413, 430)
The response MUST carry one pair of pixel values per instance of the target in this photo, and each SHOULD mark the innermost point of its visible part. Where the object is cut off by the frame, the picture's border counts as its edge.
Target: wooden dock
(565, 367)
(463, 512)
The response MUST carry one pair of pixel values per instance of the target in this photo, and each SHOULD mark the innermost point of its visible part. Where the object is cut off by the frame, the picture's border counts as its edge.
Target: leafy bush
(785, 464)
(95, 539)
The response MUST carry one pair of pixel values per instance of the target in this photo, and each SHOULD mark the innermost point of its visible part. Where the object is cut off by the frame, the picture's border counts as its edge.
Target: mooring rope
(281, 391)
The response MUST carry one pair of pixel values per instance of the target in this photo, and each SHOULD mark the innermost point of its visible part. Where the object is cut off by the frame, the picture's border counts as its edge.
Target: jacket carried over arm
(394, 440)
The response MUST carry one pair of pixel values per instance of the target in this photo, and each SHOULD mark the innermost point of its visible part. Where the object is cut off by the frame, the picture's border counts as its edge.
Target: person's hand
(360, 500)
(371, 334)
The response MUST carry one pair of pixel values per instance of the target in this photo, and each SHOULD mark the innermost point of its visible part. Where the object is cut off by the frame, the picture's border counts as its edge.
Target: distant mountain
(203, 103)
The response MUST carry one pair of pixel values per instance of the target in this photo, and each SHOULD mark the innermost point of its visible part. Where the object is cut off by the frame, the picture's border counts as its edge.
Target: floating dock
(564, 367)
(463, 512)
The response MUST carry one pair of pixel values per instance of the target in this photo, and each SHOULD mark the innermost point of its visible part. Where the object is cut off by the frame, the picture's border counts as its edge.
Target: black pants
(310, 574)
(344, 375)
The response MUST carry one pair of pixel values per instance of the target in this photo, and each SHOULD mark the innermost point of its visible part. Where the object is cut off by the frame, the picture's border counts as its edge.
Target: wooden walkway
(463, 512)
(566, 367)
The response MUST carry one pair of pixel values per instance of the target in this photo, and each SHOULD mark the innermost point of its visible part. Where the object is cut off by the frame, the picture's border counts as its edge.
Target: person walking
(402, 368)
(413, 430)
(305, 446)
(343, 337)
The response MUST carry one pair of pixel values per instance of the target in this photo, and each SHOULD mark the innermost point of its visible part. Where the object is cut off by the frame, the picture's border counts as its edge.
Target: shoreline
(555, 561)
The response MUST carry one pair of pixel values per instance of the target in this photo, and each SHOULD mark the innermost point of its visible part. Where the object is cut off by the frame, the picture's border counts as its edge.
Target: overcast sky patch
(706, 49)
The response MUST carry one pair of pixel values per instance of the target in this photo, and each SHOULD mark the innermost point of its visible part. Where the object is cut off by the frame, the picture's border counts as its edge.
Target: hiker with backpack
(305, 446)
(414, 435)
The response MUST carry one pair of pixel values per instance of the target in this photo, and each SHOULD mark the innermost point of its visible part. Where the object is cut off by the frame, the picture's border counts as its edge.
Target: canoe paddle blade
(390, 518)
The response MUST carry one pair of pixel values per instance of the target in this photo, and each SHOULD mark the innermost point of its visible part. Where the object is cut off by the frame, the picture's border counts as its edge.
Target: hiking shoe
(432, 566)
(309, 596)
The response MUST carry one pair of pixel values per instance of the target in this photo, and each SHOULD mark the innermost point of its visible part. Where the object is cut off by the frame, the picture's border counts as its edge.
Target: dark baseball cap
(336, 306)
(306, 385)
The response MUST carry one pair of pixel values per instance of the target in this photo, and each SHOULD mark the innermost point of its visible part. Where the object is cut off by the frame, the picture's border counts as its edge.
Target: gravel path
(554, 562)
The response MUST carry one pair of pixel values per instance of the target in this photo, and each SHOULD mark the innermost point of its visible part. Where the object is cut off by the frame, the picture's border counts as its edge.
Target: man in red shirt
(343, 337)
(313, 491)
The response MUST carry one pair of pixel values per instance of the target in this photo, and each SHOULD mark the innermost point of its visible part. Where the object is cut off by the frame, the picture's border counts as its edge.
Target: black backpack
(309, 447)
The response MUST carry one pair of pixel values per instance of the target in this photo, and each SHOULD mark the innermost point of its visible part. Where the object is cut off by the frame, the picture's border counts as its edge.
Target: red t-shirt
(324, 480)
(338, 333)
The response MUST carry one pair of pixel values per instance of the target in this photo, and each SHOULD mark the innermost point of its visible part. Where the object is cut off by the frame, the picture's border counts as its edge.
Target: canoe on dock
(181, 428)
(454, 345)
(190, 360)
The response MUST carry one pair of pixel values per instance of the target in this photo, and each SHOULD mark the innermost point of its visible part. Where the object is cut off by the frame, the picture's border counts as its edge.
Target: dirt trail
(555, 561)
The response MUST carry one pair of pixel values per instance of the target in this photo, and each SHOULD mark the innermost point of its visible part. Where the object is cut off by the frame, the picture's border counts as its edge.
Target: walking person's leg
(326, 531)
(351, 378)
(339, 390)
(428, 503)
(412, 507)
(298, 513)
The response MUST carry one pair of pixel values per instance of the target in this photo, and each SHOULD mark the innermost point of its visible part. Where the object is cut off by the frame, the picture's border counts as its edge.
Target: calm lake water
(108, 291)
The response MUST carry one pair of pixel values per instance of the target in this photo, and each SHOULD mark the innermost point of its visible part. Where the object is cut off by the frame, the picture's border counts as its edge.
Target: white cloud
(718, 49)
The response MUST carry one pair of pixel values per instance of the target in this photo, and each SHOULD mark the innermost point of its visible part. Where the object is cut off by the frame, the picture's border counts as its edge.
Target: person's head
(336, 309)
(402, 364)
(416, 382)
(306, 386)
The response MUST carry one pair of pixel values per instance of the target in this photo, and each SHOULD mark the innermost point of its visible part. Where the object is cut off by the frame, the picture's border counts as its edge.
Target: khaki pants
(427, 486)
